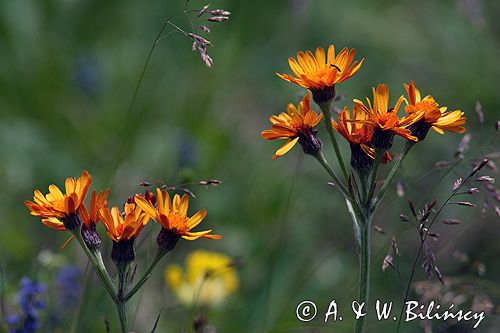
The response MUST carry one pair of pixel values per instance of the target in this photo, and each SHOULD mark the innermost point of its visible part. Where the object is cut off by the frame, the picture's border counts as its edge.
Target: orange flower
(431, 114)
(172, 215)
(123, 228)
(385, 119)
(358, 133)
(297, 125)
(56, 206)
(97, 201)
(319, 72)
(353, 131)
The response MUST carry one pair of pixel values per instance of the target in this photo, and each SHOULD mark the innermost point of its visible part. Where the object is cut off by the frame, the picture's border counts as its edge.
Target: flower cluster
(368, 126)
(30, 299)
(68, 211)
(371, 126)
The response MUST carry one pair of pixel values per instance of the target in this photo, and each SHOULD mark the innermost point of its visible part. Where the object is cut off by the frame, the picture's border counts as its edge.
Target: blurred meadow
(68, 70)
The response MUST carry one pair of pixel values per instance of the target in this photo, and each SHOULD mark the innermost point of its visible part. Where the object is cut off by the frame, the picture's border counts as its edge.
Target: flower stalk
(327, 116)
(121, 304)
(364, 254)
(97, 263)
(322, 160)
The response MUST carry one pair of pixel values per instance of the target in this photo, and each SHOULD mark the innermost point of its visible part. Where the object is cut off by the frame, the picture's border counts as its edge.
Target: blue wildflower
(31, 302)
(68, 286)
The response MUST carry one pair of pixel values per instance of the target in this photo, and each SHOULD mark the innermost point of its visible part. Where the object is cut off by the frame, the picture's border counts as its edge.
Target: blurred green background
(68, 69)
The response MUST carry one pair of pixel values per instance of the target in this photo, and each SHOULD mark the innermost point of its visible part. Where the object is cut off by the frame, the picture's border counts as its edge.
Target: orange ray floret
(432, 114)
(123, 227)
(296, 125)
(353, 131)
(172, 215)
(384, 118)
(319, 71)
(358, 132)
(97, 201)
(57, 205)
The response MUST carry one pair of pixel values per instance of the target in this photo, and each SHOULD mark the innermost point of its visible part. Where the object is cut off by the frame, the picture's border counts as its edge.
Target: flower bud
(311, 144)
(91, 237)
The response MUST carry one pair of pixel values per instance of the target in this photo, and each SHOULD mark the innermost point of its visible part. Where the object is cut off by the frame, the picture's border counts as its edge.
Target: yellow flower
(385, 119)
(57, 206)
(431, 114)
(319, 72)
(126, 227)
(173, 215)
(208, 280)
(297, 125)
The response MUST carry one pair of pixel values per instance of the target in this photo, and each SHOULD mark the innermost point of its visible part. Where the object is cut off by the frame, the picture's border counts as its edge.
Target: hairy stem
(364, 269)
(327, 118)
(121, 306)
(372, 180)
(321, 159)
(96, 260)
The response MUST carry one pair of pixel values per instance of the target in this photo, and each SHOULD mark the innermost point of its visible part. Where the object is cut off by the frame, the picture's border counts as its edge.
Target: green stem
(145, 276)
(121, 306)
(321, 159)
(327, 119)
(134, 96)
(122, 283)
(363, 180)
(397, 164)
(96, 260)
(364, 269)
(372, 179)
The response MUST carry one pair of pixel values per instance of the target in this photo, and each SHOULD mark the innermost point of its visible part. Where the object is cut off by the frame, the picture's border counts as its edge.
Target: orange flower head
(97, 201)
(59, 210)
(172, 215)
(297, 125)
(319, 72)
(126, 226)
(358, 132)
(431, 114)
(354, 128)
(385, 119)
